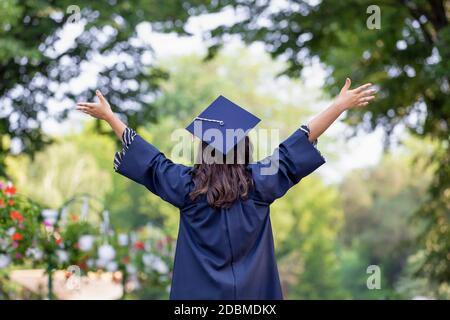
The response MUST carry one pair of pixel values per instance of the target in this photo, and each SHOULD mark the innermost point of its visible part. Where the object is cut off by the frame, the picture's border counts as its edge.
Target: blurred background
(382, 199)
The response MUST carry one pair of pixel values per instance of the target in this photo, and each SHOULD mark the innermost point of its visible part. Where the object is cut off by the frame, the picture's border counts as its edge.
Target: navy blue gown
(223, 253)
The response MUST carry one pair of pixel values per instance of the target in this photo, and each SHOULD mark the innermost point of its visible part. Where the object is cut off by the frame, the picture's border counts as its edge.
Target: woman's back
(227, 251)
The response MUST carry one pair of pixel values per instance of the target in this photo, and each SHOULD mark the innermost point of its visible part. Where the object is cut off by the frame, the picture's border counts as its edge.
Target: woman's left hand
(100, 110)
(359, 97)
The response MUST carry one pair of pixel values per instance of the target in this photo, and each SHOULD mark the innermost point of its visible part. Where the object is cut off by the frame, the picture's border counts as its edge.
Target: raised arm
(296, 157)
(139, 160)
(102, 110)
(346, 99)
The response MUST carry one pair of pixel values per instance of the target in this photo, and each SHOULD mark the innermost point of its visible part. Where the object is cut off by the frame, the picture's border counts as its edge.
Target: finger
(82, 108)
(367, 92)
(100, 96)
(86, 111)
(362, 104)
(347, 84)
(88, 104)
(369, 98)
(363, 87)
(91, 114)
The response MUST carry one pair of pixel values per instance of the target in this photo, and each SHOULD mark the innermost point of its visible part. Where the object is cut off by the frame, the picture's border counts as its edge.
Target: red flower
(83, 265)
(58, 241)
(139, 245)
(15, 215)
(11, 202)
(2, 203)
(77, 246)
(126, 259)
(17, 237)
(10, 190)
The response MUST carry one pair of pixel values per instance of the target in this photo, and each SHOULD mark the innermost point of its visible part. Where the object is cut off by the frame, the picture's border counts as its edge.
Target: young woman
(225, 245)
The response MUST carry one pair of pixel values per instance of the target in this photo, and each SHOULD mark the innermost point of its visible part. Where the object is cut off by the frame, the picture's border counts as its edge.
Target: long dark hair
(223, 178)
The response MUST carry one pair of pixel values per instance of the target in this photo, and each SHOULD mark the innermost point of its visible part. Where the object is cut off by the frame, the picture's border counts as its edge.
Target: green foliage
(64, 170)
(35, 67)
(305, 232)
(72, 232)
(379, 205)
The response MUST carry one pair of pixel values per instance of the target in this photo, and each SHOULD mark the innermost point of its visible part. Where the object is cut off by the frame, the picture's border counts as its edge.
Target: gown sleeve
(128, 136)
(143, 163)
(295, 158)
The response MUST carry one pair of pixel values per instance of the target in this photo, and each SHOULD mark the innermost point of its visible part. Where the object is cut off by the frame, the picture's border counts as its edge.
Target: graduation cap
(223, 124)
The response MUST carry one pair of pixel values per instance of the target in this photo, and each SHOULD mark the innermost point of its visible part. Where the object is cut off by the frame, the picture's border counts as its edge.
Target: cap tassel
(210, 120)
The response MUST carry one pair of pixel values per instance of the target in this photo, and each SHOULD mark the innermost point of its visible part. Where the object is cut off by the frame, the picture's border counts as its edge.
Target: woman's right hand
(359, 97)
(100, 110)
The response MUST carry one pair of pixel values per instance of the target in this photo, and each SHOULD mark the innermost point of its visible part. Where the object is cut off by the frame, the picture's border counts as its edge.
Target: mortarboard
(223, 124)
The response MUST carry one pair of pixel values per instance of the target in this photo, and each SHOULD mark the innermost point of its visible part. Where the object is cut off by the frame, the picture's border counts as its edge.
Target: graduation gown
(223, 253)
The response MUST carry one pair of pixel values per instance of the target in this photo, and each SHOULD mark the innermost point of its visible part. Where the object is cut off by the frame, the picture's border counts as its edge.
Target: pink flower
(160, 244)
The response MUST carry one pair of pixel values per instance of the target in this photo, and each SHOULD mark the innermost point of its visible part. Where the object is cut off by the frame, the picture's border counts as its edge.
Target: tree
(306, 233)
(379, 205)
(64, 170)
(407, 58)
(36, 68)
